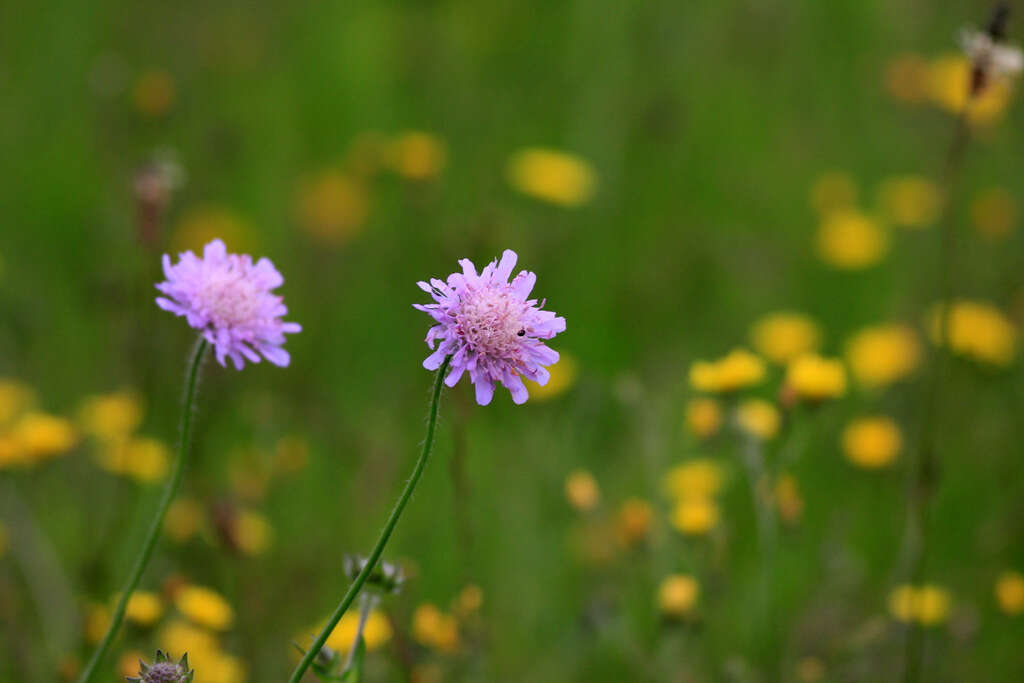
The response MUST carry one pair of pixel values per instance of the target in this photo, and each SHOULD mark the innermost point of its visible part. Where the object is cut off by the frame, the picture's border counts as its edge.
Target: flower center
(491, 322)
(230, 299)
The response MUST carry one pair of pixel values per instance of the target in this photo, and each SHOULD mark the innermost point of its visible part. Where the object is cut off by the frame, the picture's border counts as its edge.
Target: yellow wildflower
(144, 608)
(180, 636)
(204, 607)
(128, 663)
(470, 599)
(698, 478)
(928, 605)
(979, 331)
(110, 416)
(40, 435)
(677, 595)
(884, 354)
(949, 84)
(331, 207)
(581, 490)
(849, 240)
(97, 620)
(376, 632)
(788, 499)
(184, 519)
(11, 453)
(434, 628)
(201, 224)
(15, 398)
(563, 376)
(910, 201)
(833, 191)
(634, 521)
(154, 93)
(143, 459)
(781, 337)
(417, 155)
(759, 418)
(703, 417)
(815, 378)
(694, 516)
(907, 78)
(737, 370)
(872, 442)
(552, 176)
(994, 213)
(1010, 592)
(253, 532)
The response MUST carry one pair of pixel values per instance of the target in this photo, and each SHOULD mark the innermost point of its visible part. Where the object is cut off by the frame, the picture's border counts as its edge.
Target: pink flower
(490, 328)
(229, 300)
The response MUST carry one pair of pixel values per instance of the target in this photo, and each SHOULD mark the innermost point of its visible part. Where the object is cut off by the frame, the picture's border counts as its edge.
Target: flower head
(490, 328)
(164, 670)
(228, 299)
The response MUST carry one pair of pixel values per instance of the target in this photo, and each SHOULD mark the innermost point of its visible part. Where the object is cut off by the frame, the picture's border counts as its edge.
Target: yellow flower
(677, 595)
(97, 620)
(1010, 592)
(199, 225)
(948, 85)
(143, 459)
(184, 519)
(204, 652)
(698, 478)
(331, 207)
(563, 376)
(994, 213)
(111, 416)
(154, 93)
(781, 337)
(376, 632)
(41, 436)
(470, 599)
(928, 605)
(788, 499)
(759, 418)
(434, 628)
(253, 532)
(694, 516)
(815, 378)
(205, 607)
(11, 453)
(849, 240)
(872, 442)
(291, 454)
(902, 603)
(907, 78)
(737, 370)
(581, 490)
(703, 417)
(128, 663)
(218, 667)
(15, 398)
(979, 331)
(910, 201)
(417, 155)
(634, 521)
(881, 355)
(144, 608)
(552, 176)
(833, 191)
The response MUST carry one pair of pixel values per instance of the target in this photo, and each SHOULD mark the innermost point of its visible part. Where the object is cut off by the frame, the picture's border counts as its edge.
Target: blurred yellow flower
(40, 436)
(154, 92)
(253, 532)
(910, 201)
(11, 453)
(1010, 592)
(703, 417)
(184, 519)
(204, 607)
(810, 670)
(737, 370)
(634, 521)
(815, 378)
(833, 191)
(552, 176)
(205, 654)
(417, 155)
(872, 442)
(97, 619)
(788, 499)
(698, 478)
(376, 632)
(201, 224)
(563, 376)
(884, 354)
(781, 337)
(759, 418)
(849, 240)
(110, 416)
(677, 595)
(694, 516)
(15, 398)
(143, 459)
(144, 608)
(128, 663)
(470, 599)
(291, 454)
(907, 78)
(948, 84)
(994, 213)
(581, 490)
(331, 206)
(979, 331)
(434, 628)
(928, 605)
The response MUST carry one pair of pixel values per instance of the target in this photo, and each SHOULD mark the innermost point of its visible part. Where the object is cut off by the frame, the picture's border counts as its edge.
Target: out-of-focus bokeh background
(686, 178)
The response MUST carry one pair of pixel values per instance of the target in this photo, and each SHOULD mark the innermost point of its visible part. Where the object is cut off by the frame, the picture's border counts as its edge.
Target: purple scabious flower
(228, 299)
(490, 328)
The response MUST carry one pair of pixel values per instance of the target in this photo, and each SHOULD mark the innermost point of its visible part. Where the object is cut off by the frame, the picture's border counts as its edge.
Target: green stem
(378, 550)
(170, 491)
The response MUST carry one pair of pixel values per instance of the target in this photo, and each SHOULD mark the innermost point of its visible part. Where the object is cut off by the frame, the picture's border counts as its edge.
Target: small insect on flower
(490, 328)
(164, 670)
(228, 299)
